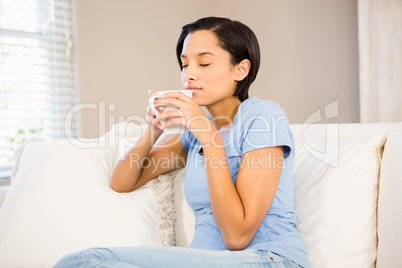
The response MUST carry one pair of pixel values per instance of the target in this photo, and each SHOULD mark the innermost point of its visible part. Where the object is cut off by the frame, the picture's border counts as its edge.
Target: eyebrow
(199, 54)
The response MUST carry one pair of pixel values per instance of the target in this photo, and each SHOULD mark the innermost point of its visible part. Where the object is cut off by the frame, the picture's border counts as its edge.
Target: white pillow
(60, 202)
(336, 201)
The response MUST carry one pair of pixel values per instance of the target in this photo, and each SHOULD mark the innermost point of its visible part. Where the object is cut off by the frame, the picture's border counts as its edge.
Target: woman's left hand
(188, 113)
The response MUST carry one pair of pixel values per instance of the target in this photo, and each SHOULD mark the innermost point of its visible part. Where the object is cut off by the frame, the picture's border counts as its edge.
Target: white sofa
(348, 197)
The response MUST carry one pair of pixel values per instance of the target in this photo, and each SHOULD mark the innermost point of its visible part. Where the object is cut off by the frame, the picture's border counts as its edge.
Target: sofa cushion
(60, 202)
(185, 223)
(336, 191)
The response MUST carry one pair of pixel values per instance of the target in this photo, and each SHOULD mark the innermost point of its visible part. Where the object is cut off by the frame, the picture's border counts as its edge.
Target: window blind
(38, 73)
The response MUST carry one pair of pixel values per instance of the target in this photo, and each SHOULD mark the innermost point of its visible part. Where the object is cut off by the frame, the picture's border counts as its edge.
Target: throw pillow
(336, 201)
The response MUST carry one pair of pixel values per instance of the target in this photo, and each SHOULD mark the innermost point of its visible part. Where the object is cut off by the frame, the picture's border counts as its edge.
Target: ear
(242, 69)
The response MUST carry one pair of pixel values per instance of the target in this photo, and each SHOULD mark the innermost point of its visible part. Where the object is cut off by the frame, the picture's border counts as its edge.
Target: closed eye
(204, 65)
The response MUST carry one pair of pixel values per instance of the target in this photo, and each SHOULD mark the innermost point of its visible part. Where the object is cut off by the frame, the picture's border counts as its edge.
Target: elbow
(119, 185)
(116, 189)
(237, 242)
(119, 189)
(238, 237)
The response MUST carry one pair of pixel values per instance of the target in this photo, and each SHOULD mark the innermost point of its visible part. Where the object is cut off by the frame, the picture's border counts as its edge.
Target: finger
(160, 108)
(150, 111)
(174, 102)
(158, 125)
(151, 120)
(152, 92)
(155, 110)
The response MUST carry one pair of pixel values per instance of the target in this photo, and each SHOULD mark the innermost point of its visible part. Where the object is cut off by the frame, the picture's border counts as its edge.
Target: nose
(189, 73)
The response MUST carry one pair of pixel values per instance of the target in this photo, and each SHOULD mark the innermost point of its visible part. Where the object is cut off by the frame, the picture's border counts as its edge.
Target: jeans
(130, 257)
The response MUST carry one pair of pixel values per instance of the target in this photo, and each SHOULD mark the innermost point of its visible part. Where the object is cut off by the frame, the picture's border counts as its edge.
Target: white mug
(175, 129)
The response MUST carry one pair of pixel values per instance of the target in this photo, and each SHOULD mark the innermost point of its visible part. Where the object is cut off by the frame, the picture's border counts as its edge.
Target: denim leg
(176, 257)
(93, 258)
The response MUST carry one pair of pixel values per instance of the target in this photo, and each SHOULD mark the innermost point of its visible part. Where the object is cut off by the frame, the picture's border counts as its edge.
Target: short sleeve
(266, 125)
(188, 140)
(184, 140)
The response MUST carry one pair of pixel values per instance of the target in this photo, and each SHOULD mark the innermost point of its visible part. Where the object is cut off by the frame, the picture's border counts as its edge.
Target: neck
(224, 112)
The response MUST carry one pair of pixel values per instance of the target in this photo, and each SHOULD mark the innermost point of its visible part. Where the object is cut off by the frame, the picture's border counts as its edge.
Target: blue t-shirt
(257, 124)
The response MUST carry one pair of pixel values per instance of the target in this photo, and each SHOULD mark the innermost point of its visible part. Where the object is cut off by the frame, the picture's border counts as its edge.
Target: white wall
(309, 53)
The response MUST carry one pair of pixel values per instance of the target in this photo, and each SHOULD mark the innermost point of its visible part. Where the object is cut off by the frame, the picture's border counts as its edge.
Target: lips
(193, 88)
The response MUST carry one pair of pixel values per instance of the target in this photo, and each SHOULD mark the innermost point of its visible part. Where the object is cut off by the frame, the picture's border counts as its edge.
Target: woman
(239, 161)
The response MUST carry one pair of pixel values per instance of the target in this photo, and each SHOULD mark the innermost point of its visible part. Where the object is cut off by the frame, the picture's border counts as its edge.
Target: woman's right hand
(150, 116)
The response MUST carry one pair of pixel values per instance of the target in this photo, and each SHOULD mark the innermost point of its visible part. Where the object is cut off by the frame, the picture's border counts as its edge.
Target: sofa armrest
(389, 201)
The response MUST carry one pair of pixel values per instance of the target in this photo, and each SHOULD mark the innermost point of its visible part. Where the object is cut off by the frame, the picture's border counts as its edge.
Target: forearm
(226, 203)
(128, 170)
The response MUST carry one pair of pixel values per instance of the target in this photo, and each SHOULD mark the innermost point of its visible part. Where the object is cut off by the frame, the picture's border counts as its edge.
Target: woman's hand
(188, 114)
(150, 116)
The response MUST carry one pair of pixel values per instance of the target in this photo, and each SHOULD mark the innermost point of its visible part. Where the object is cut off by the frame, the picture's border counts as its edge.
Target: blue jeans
(125, 257)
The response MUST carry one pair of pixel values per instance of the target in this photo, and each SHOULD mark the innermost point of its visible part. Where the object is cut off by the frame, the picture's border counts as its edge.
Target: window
(38, 74)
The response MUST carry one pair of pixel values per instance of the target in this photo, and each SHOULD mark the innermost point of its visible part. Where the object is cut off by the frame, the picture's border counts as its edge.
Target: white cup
(175, 129)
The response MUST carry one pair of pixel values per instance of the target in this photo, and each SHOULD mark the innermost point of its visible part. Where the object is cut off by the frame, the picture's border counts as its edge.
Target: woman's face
(207, 69)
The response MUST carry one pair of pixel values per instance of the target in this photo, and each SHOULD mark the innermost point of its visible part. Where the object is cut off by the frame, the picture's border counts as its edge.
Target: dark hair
(234, 37)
